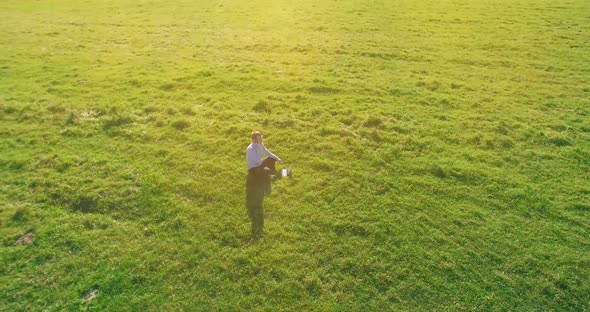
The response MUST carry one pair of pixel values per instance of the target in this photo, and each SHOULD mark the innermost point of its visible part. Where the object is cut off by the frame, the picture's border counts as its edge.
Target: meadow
(441, 155)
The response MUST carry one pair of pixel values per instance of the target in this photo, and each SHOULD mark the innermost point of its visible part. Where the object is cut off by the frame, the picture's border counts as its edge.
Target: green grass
(441, 154)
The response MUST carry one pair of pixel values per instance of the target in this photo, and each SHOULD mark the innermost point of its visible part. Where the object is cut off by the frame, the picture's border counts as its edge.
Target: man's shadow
(258, 185)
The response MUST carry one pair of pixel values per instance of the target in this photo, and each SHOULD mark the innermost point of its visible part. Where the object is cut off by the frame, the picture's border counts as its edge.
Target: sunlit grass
(441, 155)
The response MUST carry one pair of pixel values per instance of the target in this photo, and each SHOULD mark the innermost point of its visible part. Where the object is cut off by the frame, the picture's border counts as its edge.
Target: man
(258, 180)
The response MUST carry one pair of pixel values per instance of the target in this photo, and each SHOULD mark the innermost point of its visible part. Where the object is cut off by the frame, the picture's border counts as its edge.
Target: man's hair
(256, 134)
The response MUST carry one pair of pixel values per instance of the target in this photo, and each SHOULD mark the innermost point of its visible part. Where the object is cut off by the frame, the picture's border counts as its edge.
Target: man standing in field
(258, 180)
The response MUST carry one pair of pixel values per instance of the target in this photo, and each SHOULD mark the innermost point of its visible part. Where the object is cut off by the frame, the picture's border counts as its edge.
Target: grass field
(441, 154)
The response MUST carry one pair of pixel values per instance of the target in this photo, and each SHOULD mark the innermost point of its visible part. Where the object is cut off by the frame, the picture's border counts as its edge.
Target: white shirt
(254, 154)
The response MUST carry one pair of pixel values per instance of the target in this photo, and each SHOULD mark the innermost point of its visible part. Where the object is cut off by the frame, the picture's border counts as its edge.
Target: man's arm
(269, 154)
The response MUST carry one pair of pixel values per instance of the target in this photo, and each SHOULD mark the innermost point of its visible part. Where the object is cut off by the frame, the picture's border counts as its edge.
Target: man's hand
(280, 161)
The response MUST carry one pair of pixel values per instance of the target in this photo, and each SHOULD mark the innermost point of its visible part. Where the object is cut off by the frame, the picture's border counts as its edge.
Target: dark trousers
(257, 186)
(255, 191)
(267, 167)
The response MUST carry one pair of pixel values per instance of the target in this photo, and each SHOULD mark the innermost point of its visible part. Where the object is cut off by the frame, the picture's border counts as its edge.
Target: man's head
(256, 137)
